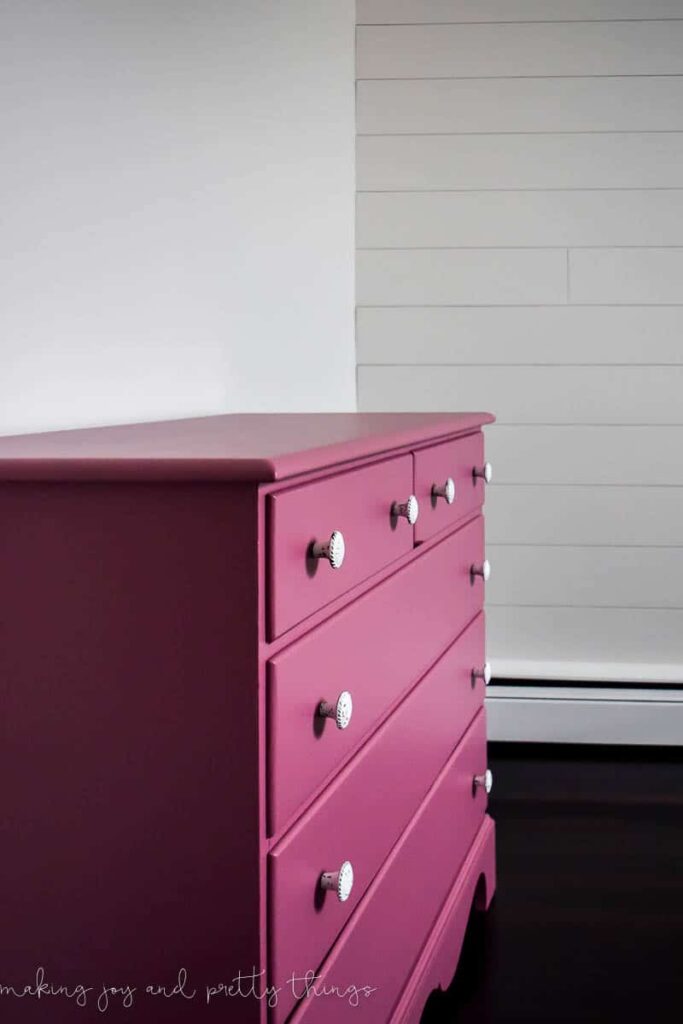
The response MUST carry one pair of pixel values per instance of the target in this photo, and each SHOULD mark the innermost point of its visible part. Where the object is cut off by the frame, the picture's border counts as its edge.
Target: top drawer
(454, 468)
(356, 505)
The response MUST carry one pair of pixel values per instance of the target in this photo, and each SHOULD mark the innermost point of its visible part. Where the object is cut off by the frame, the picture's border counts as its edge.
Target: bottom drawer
(367, 968)
(476, 885)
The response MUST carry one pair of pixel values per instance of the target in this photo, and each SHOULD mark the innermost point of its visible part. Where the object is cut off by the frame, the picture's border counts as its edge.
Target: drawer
(384, 938)
(375, 649)
(455, 461)
(425, 728)
(356, 506)
(475, 885)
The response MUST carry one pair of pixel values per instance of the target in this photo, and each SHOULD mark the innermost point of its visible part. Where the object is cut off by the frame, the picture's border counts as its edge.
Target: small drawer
(374, 650)
(453, 463)
(384, 939)
(354, 507)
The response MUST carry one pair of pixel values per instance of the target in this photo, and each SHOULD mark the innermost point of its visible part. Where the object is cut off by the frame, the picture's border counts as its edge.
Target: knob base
(484, 472)
(446, 491)
(483, 781)
(333, 549)
(341, 711)
(483, 569)
(483, 673)
(340, 881)
(409, 509)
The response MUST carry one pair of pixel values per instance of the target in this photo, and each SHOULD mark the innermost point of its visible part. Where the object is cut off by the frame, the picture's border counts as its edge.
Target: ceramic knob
(485, 780)
(485, 472)
(483, 570)
(340, 881)
(446, 491)
(482, 673)
(341, 711)
(408, 509)
(333, 549)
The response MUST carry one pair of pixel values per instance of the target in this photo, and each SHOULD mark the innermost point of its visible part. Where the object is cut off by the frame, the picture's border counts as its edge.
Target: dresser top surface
(246, 446)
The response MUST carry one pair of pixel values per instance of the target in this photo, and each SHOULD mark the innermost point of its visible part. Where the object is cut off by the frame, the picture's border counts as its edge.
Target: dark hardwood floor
(587, 922)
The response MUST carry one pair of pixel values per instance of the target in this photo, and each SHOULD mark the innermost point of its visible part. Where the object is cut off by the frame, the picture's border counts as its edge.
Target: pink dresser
(243, 741)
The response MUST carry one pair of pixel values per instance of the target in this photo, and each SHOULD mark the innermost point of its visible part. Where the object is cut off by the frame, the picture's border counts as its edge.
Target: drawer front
(357, 505)
(424, 728)
(375, 649)
(441, 952)
(383, 940)
(453, 460)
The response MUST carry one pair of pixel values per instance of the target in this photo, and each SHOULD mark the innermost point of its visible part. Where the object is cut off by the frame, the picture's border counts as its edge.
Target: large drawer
(454, 461)
(375, 649)
(383, 939)
(356, 505)
(474, 887)
(367, 807)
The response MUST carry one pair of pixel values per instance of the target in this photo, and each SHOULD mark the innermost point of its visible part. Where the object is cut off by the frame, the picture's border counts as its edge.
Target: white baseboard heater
(578, 712)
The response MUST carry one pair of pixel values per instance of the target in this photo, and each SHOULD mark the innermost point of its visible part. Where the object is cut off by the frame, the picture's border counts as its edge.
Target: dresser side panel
(129, 766)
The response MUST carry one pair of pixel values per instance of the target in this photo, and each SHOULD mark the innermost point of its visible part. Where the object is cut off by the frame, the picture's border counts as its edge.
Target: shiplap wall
(520, 249)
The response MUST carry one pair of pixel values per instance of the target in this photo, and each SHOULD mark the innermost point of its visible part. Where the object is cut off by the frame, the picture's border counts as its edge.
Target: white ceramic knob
(341, 711)
(483, 570)
(407, 509)
(485, 472)
(340, 881)
(333, 549)
(446, 491)
(484, 781)
(482, 673)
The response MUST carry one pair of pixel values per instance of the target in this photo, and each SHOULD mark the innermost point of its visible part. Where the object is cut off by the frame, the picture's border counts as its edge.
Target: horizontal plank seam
(555, 133)
(522, 305)
(515, 78)
(571, 424)
(560, 247)
(464, 134)
(587, 485)
(524, 21)
(507, 365)
(586, 700)
(594, 607)
(534, 190)
(525, 305)
(577, 546)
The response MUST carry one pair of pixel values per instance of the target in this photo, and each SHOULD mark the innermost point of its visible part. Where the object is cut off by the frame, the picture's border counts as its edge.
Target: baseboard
(566, 714)
(566, 671)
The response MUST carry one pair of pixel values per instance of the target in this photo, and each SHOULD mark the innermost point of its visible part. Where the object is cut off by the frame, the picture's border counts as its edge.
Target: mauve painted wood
(358, 504)
(475, 885)
(129, 777)
(383, 939)
(428, 723)
(245, 446)
(433, 465)
(376, 648)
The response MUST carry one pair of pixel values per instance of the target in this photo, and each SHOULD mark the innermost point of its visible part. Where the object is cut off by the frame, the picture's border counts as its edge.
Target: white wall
(176, 233)
(520, 249)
